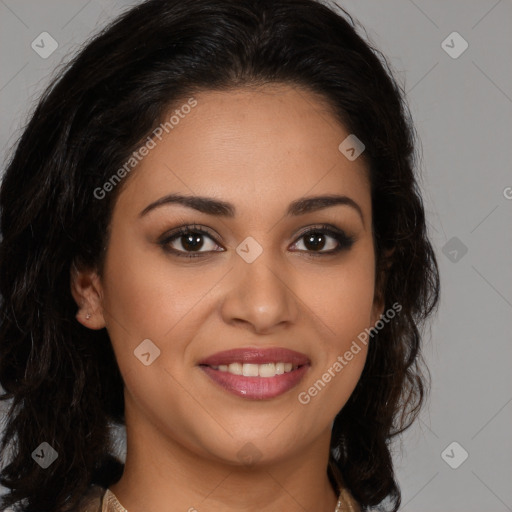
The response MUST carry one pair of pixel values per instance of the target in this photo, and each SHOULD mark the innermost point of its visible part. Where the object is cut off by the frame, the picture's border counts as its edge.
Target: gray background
(462, 109)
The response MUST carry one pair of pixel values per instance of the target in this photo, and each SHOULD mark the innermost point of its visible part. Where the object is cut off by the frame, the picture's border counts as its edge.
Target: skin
(260, 149)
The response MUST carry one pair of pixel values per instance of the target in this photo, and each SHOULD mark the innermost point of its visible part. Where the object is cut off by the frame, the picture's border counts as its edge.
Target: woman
(213, 235)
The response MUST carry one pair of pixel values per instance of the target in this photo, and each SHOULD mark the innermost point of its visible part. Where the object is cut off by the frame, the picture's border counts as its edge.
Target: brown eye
(188, 240)
(325, 241)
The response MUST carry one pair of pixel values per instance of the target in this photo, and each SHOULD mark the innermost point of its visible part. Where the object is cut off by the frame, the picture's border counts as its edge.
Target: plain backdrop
(461, 101)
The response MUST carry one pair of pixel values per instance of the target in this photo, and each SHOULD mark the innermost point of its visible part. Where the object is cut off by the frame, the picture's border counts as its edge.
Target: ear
(379, 300)
(88, 294)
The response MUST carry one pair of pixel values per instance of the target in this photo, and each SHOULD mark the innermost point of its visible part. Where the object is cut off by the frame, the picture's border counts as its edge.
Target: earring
(87, 316)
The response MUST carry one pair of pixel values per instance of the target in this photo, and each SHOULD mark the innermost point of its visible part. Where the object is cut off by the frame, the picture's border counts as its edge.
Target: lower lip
(256, 388)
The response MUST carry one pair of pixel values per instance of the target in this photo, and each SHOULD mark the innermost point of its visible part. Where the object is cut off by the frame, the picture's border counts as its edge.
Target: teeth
(235, 369)
(267, 370)
(256, 370)
(249, 370)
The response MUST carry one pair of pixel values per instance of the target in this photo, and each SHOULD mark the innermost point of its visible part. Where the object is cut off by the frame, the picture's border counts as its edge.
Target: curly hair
(62, 379)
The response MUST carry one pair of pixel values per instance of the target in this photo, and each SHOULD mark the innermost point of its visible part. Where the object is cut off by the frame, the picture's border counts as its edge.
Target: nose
(260, 296)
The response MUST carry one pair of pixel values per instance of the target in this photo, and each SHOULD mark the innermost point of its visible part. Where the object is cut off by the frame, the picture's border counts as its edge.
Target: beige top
(99, 499)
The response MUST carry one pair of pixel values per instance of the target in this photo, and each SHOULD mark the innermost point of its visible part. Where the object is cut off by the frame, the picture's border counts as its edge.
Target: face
(269, 283)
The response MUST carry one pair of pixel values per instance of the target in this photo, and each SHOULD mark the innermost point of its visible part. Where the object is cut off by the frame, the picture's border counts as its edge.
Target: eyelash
(345, 242)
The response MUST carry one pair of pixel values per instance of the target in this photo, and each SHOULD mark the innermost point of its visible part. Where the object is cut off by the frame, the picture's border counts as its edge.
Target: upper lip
(256, 356)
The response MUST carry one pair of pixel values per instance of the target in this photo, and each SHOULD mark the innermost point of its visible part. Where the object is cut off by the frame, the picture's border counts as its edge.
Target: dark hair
(63, 378)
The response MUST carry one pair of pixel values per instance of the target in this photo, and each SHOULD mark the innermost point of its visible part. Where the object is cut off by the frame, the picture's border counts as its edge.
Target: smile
(257, 374)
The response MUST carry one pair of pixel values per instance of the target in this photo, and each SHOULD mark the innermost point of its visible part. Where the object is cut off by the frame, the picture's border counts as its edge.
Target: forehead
(257, 147)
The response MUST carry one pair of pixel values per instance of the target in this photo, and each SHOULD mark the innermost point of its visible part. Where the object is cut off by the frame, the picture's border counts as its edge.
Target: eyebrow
(220, 208)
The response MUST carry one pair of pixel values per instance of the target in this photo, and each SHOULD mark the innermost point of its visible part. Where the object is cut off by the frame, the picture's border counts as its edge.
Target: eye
(187, 240)
(325, 240)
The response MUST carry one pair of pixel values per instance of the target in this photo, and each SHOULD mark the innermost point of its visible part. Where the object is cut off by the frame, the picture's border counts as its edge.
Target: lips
(239, 371)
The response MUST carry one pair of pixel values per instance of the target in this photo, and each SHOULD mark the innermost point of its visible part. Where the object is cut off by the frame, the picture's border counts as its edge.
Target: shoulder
(92, 500)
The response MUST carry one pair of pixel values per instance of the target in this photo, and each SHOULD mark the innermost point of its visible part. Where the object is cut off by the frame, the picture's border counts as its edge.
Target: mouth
(258, 374)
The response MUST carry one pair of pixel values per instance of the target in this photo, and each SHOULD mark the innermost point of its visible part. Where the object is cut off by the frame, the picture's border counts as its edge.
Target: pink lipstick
(258, 374)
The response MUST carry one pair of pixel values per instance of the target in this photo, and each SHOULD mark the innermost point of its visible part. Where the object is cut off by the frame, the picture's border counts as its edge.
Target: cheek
(343, 297)
(139, 292)
(342, 300)
(140, 303)
(148, 296)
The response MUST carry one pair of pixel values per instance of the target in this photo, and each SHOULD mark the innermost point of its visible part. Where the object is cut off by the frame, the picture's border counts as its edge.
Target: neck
(164, 475)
